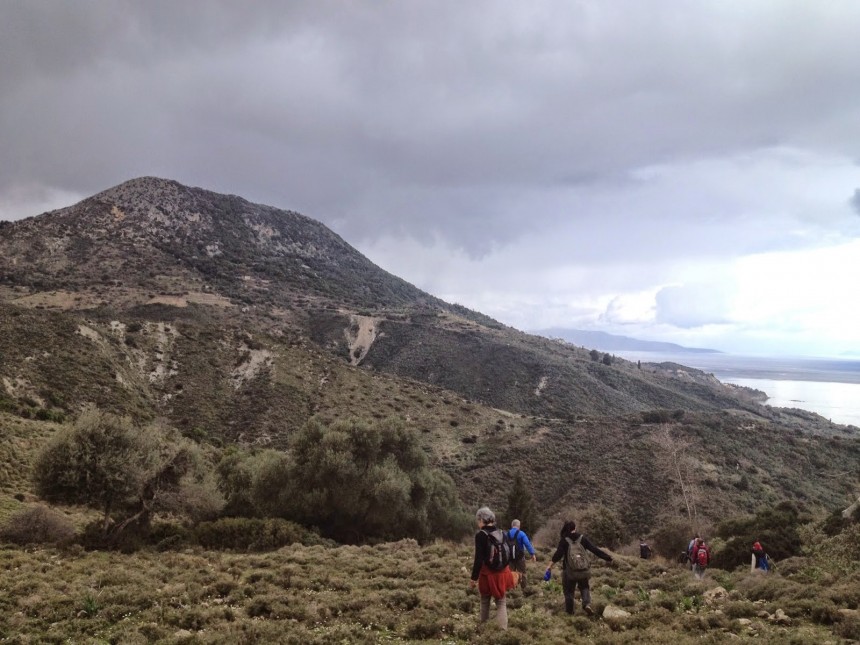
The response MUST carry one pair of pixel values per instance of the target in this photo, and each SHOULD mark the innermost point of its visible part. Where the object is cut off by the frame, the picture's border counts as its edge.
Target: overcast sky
(681, 171)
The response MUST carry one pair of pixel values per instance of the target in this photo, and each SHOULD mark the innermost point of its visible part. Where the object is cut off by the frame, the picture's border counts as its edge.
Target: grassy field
(398, 593)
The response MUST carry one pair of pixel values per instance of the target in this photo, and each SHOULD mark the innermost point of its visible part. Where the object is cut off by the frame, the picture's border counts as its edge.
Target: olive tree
(358, 481)
(127, 472)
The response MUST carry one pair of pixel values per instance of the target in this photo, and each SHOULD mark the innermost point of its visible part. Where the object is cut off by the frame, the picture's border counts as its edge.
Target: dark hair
(568, 527)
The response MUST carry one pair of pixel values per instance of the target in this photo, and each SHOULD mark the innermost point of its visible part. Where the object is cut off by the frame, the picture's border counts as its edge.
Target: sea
(829, 387)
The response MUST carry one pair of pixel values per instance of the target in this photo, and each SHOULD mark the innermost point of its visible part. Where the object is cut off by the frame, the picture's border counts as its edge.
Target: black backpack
(500, 552)
(519, 552)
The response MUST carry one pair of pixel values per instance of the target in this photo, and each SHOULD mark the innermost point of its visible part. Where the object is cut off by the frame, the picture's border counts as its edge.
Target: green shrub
(656, 416)
(603, 527)
(739, 609)
(848, 628)
(358, 482)
(835, 523)
(37, 525)
(834, 554)
(252, 534)
(56, 416)
(775, 528)
(671, 537)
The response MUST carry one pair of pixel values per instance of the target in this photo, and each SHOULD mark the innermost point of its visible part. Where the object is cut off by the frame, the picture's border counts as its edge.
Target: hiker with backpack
(701, 558)
(522, 545)
(644, 549)
(491, 572)
(572, 548)
(691, 550)
(762, 559)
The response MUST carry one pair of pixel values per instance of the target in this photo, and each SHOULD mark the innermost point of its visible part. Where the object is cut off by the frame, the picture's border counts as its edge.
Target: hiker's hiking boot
(589, 610)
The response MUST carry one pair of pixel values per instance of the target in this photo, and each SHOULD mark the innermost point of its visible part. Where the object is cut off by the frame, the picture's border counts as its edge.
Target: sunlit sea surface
(830, 387)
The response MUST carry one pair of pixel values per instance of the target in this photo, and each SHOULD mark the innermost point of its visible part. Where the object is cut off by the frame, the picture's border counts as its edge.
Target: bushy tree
(128, 472)
(603, 527)
(358, 481)
(671, 536)
(92, 463)
(777, 529)
(253, 482)
(521, 505)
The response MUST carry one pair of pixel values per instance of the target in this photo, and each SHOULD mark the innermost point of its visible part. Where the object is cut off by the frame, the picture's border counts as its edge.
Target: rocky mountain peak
(152, 231)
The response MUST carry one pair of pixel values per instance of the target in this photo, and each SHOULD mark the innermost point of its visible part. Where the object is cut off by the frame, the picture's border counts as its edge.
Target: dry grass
(396, 592)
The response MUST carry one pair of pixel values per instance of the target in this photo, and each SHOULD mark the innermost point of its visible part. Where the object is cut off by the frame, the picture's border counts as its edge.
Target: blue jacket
(522, 540)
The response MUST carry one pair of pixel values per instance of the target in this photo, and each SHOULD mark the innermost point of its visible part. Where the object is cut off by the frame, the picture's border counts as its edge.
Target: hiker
(762, 559)
(522, 545)
(576, 569)
(701, 558)
(690, 547)
(490, 570)
(644, 549)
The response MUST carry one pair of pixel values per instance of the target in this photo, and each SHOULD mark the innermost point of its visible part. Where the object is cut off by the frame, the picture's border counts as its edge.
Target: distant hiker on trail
(701, 558)
(760, 559)
(644, 549)
(690, 548)
(522, 545)
(490, 570)
(576, 569)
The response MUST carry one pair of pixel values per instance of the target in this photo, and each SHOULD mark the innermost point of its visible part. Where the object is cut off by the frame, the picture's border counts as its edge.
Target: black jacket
(561, 551)
(482, 549)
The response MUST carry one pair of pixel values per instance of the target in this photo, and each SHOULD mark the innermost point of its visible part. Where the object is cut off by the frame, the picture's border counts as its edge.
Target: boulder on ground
(615, 615)
(780, 618)
(715, 595)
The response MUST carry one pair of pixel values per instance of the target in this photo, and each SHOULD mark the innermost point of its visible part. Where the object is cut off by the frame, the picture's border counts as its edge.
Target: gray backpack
(576, 563)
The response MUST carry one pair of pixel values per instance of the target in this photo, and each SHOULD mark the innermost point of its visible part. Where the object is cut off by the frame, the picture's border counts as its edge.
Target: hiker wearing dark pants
(568, 587)
(572, 549)
(522, 545)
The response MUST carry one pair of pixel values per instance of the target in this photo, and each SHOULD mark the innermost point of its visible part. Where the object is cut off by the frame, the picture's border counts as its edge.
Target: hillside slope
(238, 322)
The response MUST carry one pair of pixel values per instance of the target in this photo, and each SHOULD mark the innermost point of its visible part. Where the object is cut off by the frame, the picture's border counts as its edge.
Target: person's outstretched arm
(528, 545)
(599, 553)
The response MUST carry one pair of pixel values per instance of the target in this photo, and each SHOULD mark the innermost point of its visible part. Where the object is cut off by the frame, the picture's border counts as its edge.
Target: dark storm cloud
(52, 38)
(473, 122)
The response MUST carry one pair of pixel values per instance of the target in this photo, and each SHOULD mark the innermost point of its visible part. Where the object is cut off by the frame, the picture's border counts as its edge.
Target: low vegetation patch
(391, 592)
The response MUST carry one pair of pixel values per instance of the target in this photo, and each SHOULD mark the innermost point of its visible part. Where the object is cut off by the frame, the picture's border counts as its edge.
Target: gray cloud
(855, 201)
(609, 143)
(357, 113)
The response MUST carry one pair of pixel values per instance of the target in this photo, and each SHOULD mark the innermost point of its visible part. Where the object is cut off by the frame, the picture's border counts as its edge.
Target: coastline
(827, 387)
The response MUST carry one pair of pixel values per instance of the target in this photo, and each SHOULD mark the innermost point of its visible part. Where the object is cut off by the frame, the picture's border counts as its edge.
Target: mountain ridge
(237, 323)
(607, 342)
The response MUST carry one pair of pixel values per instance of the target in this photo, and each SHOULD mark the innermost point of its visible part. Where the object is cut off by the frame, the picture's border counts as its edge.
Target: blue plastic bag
(547, 575)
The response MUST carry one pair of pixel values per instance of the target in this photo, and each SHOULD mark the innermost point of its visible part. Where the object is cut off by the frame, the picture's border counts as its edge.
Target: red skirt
(495, 583)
